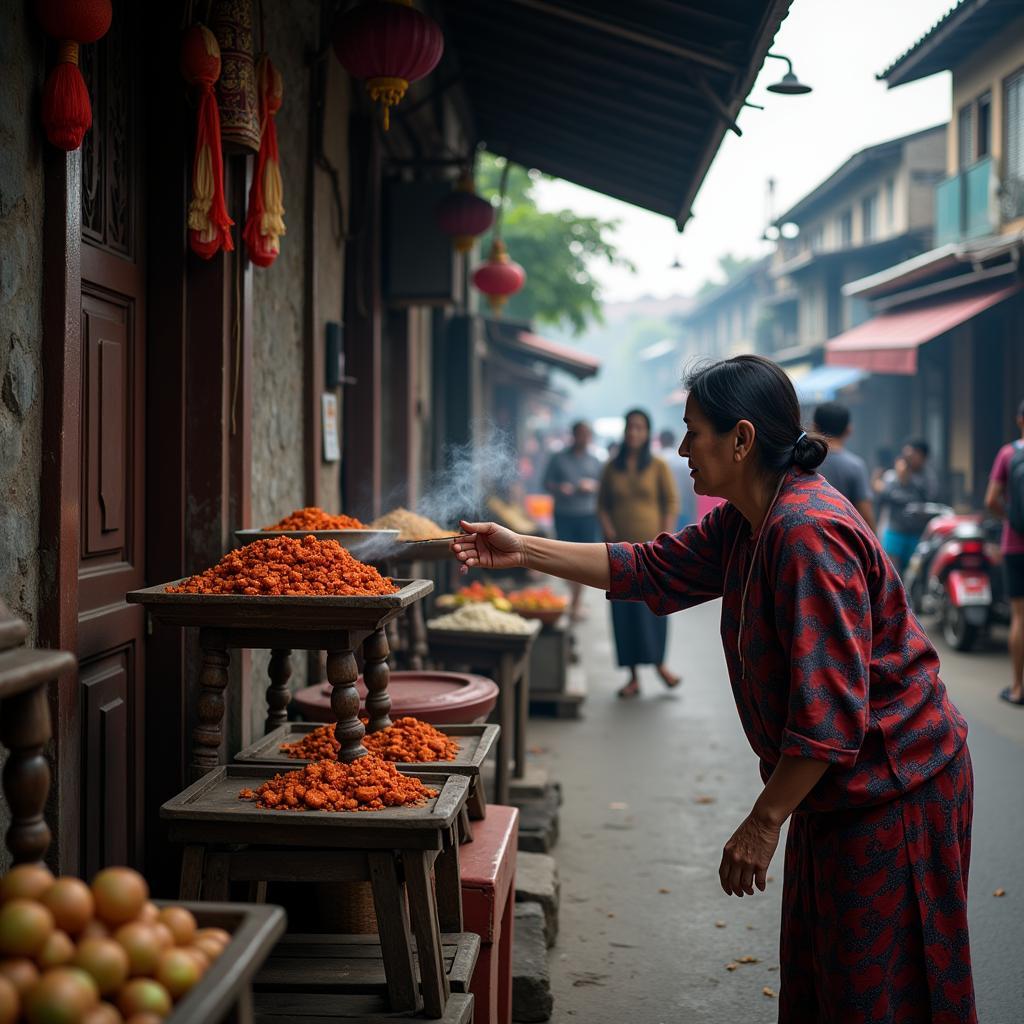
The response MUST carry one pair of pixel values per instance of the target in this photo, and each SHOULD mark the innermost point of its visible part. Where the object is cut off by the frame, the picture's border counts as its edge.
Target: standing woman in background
(637, 500)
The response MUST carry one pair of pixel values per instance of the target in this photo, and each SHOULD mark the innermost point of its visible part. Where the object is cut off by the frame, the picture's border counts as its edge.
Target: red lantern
(264, 223)
(464, 215)
(208, 221)
(500, 277)
(389, 44)
(67, 112)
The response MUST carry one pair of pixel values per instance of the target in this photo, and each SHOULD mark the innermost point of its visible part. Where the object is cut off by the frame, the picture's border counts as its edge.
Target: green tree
(729, 267)
(556, 249)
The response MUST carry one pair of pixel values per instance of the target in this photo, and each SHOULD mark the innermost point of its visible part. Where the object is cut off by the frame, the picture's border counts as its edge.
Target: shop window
(868, 215)
(890, 202)
(1013, 135)
(846, 229)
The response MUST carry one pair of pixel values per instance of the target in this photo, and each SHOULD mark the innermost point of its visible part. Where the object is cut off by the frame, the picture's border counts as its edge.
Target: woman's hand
(489, 546)
(747, 855)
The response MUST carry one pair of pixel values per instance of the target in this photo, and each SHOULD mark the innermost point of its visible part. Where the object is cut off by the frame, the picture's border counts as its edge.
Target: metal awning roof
(516, 340)
(629, 100)
(889, 342)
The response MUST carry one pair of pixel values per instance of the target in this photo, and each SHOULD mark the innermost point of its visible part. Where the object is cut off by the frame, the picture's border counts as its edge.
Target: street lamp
(789, 84)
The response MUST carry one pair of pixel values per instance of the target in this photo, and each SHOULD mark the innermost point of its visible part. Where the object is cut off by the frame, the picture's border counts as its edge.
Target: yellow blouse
(638, 503)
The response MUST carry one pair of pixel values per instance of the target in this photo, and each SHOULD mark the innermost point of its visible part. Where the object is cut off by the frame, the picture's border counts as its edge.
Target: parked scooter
(938, 522)
(965, 582)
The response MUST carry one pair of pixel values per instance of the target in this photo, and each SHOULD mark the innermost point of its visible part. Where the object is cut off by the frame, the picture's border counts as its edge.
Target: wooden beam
(641, 39)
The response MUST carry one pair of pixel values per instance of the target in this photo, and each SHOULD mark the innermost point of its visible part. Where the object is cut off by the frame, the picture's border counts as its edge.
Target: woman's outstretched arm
(490, 546)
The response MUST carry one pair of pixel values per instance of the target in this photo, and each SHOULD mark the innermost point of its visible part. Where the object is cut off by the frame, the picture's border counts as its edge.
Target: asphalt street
(654, 787)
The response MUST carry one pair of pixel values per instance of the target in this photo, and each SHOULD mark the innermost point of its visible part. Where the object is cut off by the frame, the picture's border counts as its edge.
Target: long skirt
(874, 910)
(639, 634)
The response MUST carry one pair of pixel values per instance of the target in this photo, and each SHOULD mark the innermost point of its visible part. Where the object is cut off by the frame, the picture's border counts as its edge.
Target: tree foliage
(556, 249)
(729, 267)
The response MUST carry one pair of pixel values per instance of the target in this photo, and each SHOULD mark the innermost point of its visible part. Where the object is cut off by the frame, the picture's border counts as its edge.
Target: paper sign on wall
(329, 407)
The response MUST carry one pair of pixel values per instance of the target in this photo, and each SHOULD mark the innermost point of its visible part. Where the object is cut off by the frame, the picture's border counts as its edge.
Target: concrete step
(532, 1000)
(538, 820)
(537, 882)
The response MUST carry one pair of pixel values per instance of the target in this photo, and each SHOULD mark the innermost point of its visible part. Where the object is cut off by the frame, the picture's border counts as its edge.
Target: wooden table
(505, 657)
(337, 625)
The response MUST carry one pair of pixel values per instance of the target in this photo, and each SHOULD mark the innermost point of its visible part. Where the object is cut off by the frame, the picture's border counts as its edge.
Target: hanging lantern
(500, 277)
(264, 223)
(66, 110)
(237, 90)
(389, 44)
(464, 215)
(208, 221)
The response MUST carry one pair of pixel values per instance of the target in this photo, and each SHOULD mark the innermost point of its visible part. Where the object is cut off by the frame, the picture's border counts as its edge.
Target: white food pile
(484, 618)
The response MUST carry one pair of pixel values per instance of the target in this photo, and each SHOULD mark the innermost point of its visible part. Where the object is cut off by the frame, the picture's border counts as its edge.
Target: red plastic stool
(488, 868)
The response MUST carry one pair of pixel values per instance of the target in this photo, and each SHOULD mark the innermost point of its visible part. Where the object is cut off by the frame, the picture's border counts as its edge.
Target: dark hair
(666, 438)
(919, 444)
(832, 419)
(578, 425)
(643, 457)
(1020, 410)
(756, 389)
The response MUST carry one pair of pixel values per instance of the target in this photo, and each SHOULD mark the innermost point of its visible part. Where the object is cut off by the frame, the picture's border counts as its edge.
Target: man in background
(846, 472)
(668, 449)
(901, 491)
(572, 476)
(1003, 491)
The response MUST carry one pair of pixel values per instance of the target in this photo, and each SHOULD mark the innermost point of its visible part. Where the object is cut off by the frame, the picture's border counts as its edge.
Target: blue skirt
(640, 635)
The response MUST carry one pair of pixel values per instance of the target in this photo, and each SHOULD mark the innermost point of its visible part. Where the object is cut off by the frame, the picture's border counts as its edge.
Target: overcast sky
(837, 46)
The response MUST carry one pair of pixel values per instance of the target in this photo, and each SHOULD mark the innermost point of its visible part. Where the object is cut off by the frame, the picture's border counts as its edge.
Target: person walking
(909, 483)
(637, 500)
(846, 472)
(839, 693)
(573, 476)
(1004, 498)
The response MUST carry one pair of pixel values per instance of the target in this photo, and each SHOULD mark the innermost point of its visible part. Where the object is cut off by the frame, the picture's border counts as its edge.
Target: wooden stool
(230, 840)
(488, 898)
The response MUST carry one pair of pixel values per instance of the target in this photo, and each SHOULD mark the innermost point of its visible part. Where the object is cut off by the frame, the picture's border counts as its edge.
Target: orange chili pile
(288, 566)
(367, 784)
(407, 740)
(314, 518)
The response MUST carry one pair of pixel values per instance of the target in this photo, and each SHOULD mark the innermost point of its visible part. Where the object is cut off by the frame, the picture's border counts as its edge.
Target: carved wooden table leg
(342, 673)
(278, 693)
(25, 730)
(376, 675)
(213, 680)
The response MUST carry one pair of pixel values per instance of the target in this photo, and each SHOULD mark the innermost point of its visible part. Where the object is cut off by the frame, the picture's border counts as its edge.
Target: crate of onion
(72, 953)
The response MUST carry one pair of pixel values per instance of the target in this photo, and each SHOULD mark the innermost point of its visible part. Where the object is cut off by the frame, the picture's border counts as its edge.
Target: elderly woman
(839, 694)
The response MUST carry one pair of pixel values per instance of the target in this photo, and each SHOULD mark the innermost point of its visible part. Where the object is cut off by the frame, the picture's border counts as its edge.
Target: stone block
(538, 822)
(537, 882)
(532, 1000)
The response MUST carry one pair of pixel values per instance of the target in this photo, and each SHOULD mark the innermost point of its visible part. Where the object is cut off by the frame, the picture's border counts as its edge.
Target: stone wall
(21, 287)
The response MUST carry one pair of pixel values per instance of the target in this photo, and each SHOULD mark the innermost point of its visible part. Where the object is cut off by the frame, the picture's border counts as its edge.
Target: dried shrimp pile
(288, 566)
(367, 784)
(314, 518)
(407, 740)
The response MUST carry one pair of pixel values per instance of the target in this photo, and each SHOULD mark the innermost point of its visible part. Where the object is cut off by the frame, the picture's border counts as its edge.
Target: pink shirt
(1013, 542)
(705, 503)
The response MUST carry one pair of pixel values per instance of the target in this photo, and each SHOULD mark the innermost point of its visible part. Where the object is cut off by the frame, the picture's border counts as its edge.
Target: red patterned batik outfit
(828, 662)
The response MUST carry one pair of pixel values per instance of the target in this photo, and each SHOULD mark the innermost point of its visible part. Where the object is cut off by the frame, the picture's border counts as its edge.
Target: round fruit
(25, 881)
(95, 929)
(210, 947)
(143, 995)
(10, 1002)
(142, 944)
(62, 995)
(181, 922)
(219, 934)
(24, 926)
(144, 1018)
(21, 972)
(177, 971)
(164, 934)
(120, 895)
(104, 1013)
(106, 962)
(150, 912)
(58, 949)
(202, 960)
(71, 903)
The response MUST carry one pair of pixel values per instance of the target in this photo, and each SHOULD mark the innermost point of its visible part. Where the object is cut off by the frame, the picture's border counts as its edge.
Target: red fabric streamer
(208, 221)
(264, 223)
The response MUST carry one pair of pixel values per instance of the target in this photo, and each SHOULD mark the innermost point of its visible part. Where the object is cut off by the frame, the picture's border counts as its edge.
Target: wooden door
(112, 485)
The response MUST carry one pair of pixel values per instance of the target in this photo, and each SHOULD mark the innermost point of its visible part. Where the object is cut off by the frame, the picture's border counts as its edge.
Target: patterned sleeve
(823, 619)
(673, 571)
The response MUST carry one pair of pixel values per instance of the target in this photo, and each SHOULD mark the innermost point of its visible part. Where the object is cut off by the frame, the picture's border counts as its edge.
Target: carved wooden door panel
(112, 514)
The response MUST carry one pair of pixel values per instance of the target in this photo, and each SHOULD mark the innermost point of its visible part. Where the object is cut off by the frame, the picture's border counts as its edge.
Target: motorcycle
(964, 585)
(937, 522)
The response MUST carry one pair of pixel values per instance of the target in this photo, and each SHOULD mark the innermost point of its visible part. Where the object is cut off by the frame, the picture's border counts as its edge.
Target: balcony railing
(964, 204)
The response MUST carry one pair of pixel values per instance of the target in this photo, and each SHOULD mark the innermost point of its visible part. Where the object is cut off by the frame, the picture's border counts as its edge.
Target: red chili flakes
(288, 566)
(314, 518)
(367, 784)
(407, 740)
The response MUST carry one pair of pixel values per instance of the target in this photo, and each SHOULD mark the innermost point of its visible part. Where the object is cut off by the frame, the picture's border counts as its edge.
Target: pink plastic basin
(441, 698)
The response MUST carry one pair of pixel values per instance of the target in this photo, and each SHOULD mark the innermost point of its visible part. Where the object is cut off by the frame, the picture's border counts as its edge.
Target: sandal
(630, 691)
(672, 681)
(1005, 695)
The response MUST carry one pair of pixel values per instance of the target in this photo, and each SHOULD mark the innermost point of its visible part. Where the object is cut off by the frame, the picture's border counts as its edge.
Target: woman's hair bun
(810, 451)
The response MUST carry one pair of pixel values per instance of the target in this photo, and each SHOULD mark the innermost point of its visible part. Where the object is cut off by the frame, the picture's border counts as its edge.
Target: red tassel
(264, 223)
(67, 113)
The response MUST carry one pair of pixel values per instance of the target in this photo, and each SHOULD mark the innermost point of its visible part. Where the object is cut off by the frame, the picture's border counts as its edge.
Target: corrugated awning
(889, 342)
(629, 100)
(823, 383)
